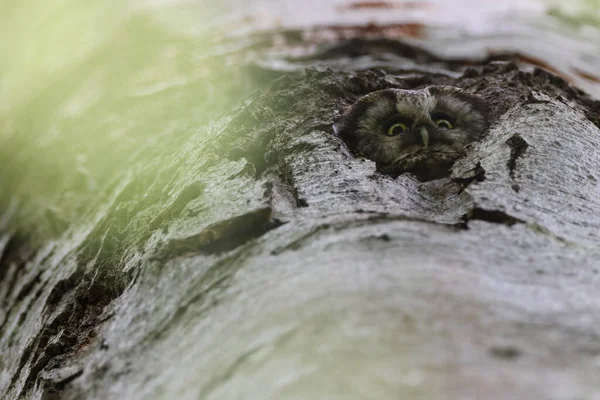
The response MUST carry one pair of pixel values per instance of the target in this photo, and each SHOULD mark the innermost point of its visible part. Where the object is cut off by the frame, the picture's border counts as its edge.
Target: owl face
(418, 131)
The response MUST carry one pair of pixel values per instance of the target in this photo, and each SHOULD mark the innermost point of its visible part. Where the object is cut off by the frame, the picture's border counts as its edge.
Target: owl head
(418, 131)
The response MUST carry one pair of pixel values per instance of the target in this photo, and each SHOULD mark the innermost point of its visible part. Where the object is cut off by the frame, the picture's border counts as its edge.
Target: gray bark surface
(261, 260)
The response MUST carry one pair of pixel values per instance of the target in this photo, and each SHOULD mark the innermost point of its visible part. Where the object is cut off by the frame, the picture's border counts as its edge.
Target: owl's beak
(424, 136)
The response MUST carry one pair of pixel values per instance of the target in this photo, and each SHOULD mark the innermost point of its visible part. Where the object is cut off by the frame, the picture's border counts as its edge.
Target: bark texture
(260, 260)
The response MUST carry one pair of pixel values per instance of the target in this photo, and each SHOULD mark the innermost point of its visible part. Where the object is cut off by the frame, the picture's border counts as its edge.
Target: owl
(418, 131)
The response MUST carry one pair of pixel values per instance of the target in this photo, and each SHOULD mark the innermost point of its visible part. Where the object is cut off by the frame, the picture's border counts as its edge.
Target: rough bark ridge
(264, 261)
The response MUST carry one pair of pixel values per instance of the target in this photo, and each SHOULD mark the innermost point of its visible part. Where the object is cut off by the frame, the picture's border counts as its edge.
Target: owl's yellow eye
(444, 123)
(397, 129)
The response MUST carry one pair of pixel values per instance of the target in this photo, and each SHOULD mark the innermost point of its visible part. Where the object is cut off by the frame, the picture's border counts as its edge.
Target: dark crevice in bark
(593, 113)
(517, 145)
(531, 99)
(493, 216)
(508, 353)
(222, 236)
(476, 174)
(70, 316)
(228, 235)
(72, 329)
(63, 288)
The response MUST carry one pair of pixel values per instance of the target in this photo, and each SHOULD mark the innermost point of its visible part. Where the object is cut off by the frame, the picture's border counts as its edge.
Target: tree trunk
(256, 258)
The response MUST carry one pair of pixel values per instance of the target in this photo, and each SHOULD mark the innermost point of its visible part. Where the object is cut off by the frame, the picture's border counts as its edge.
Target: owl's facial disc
(430, 151)
(419, 131)
(409, 135)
